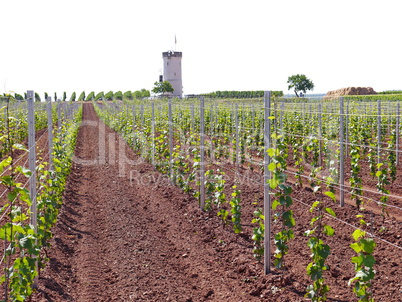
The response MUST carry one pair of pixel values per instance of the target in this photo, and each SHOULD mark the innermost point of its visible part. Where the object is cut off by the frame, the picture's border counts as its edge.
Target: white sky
(76, 45)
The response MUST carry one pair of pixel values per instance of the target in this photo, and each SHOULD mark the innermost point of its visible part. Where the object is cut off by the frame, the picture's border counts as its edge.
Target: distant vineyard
(240, 94)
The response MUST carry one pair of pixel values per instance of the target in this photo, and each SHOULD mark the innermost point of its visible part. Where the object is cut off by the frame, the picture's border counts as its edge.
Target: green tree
(128, 95)
(300, 82)
(82, 96)
(64, 96)
(90, 96)
(99, 96)
(37, 97)
(137, 94)
(46, 96)
(109, 96)
(162, 87)
(73, 97)
(118, 95)
(145, 93)
(277, 94)
(18, 97)
(55, 96)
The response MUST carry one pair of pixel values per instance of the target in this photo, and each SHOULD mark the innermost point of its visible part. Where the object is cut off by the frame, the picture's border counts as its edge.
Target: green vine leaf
(330, 212)
(357, 234)
(328, 230)
(20, 147)
(331, 195)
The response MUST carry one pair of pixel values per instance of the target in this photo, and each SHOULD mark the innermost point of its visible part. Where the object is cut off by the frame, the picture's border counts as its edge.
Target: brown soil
(125, 233)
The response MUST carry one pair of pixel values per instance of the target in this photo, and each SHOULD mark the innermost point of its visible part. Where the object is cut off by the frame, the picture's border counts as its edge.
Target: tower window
(167, 63)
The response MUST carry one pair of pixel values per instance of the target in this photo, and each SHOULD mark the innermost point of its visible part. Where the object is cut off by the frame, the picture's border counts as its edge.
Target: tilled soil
(125, 233)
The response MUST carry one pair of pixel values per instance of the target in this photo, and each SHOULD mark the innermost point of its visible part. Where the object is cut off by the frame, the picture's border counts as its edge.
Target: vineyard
(244, 200)
(34, 168)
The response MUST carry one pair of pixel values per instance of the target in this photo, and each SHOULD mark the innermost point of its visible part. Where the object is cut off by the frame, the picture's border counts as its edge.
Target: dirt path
(131, 236)
(126, 234)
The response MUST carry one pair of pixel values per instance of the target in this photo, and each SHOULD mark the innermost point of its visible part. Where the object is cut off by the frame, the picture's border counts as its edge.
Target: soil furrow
(125, 233)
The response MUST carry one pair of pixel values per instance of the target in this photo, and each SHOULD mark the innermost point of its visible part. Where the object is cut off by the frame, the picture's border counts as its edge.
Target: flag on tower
(175, 40)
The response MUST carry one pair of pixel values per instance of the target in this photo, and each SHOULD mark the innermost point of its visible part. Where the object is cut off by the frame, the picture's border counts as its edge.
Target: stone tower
(172, 71)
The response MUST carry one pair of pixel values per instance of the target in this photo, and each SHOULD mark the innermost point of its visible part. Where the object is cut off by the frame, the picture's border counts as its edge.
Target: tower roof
(172, 53)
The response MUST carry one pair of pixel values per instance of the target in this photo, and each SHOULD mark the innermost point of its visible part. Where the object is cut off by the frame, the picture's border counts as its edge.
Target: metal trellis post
(267, 197)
